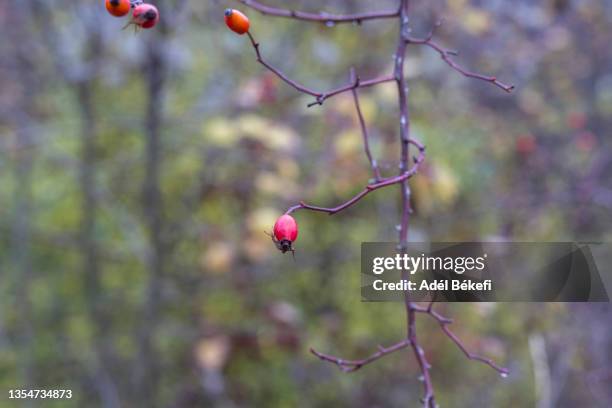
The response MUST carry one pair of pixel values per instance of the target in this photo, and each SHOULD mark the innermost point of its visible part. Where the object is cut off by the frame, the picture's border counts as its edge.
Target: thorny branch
(402, 91)
(354, 365)
(446, 54)
(405, 172)
(370, 187)
(364, 128)
(320, 97)
(326, 18)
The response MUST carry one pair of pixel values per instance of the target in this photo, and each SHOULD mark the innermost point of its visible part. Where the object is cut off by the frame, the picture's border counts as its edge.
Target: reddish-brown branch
(413, 308)
(405, 141)
(446, 54)
(362, 84)
(319, 17)
(369, 188)
(444, 322)
(364, 128)
(354, 365)
(320, 97)
(429, 398)
(277, 72)
(404, 123)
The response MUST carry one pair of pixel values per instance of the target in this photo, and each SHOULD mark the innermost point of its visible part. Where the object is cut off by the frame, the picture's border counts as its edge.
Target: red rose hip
(285, 233)
(145, 15)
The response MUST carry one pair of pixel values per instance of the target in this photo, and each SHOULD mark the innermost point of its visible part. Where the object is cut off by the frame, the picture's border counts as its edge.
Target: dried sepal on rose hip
(237, 21)
(118, 8)
(285, 232)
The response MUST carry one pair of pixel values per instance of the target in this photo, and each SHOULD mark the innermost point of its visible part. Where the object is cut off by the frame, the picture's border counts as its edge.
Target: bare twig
(277, 72)
(364, 128)
(446, 54)
(354, 365)
(362, 84)
(444, 322)
(320, 97)
(319, 17)
(369, 188)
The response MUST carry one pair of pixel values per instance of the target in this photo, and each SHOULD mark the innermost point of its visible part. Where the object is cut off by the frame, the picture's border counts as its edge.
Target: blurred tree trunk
(93, 290)
(21, 228)
(147, 369)
(21, 234)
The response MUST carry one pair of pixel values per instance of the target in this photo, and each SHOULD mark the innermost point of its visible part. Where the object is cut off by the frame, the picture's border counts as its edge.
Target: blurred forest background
(138, 173)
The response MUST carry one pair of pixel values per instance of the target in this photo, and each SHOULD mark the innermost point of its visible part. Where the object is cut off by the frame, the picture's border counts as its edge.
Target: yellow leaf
(287, 168)
(272, 183)
(421, 193)
(220, 131)
(368, 108)
(273, 135)
(445, 185)
(212, 353)
(476, 21)
(218, 257)
(348, 143)
(258, 246)
(262, 219)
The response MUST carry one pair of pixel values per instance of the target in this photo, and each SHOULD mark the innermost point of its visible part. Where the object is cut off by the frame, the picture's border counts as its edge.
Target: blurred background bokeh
(138, 173)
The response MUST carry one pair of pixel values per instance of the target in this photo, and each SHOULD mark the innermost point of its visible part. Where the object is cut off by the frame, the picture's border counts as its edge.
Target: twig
(428, 399)
(444, 322)
(364, 128)
(320, 97)
(369, 188)
(319, 17)
(362, 84)
(446, 54)
(354, 365)
(278, 73)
